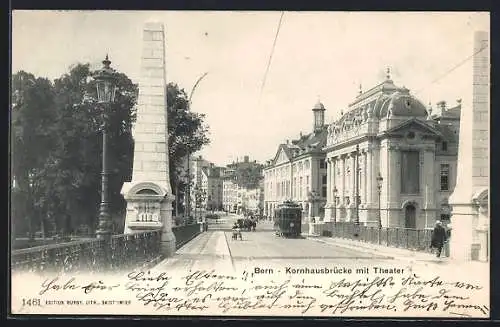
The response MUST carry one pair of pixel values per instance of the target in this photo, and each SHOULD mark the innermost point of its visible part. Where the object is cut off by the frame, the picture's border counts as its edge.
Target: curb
(381, 248)
(402, 257)
(350, 247)
(410, 257)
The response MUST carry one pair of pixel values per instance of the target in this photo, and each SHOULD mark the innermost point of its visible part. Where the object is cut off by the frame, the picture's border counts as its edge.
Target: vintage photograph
(250, 164)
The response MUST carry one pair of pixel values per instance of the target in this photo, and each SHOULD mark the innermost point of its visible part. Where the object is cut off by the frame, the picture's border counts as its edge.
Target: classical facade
(298, 171)
(390, 161)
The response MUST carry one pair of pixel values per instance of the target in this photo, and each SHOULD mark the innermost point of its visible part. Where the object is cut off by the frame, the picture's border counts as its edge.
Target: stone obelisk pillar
(469, 201)
(149, 195)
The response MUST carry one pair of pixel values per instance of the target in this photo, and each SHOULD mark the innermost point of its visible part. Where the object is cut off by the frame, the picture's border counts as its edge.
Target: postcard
(246, 163)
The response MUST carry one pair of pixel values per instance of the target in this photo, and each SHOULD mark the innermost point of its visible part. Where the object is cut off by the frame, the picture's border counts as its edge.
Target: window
(347, 201)
(324, 179)
(323, 191)
(322, 164)
(410, 172)
(444, 146)
(445, 173)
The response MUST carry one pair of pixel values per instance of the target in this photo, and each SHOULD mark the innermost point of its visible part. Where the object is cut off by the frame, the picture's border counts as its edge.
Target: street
(215, 249)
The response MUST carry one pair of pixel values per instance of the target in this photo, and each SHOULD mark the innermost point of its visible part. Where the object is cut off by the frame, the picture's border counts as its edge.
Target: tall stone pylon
(149, 195)
(469, 201)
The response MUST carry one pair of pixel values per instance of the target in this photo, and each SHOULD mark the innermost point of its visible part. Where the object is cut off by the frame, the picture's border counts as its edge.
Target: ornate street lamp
(379, 216)
(312, 198)
(106, 89)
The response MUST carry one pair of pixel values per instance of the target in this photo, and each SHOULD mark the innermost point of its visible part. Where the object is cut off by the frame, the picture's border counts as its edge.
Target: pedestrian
(438, 238)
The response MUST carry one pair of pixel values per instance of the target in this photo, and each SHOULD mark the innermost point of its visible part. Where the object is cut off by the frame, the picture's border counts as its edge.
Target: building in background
(298, 171)
(211, 188)
(241, 181)
(230, 191)
(206, 185)
(389, 144)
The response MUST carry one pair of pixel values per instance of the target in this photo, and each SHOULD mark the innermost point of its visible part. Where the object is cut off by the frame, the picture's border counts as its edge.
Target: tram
(288, 219)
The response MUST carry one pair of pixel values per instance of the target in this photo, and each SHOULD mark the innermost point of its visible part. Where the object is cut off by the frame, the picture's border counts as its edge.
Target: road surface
(262, 249)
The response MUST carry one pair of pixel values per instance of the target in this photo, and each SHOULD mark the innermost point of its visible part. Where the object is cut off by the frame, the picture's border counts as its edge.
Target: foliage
(59, 166)
(248, 175)
(56, 146)
(187, 133)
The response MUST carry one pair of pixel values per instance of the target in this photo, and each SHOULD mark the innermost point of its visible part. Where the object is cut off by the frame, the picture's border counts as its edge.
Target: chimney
(442, 105)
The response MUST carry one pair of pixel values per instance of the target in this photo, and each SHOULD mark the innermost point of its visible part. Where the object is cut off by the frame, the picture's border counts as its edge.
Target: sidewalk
(396, 253)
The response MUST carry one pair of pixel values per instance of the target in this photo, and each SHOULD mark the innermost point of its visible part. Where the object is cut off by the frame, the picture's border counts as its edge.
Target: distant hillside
(247, 174)
(249, 177)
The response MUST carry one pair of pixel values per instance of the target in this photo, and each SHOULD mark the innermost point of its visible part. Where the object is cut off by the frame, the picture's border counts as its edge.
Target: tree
(57, 157)
(79, 152)
(187, 133)
(56, 145)
(32, 116)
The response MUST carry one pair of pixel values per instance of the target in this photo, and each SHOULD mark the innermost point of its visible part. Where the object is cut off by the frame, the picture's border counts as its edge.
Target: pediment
(412, 125)
(281, 156)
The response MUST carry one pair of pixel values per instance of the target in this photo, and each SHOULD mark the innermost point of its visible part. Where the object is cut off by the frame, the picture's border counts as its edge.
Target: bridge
(214, 249)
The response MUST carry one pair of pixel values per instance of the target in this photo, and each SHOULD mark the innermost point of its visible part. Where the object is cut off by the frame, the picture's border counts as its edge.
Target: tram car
(288, 219)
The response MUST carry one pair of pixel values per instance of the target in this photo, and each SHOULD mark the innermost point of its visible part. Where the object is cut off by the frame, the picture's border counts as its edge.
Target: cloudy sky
(325, 55)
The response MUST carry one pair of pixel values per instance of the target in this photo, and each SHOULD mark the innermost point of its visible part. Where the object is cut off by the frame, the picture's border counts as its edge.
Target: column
(370, 177)
(394, 187)
(386, 170)
(328, 206)
(364, 177)
(354, 172)
(427, 187)
(353, 176)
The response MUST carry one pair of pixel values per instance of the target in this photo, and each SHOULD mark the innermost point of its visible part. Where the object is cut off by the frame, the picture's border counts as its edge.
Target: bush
(327, 233)
(212, 216)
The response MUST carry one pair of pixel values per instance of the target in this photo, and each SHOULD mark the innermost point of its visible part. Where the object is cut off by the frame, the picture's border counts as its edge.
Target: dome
(400, 103)
(319, 106)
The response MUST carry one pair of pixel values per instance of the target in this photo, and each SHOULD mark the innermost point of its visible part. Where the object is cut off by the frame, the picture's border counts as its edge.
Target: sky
(322, 56)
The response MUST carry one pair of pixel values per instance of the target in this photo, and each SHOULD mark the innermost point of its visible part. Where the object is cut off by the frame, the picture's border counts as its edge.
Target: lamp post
(189, 102)
(106, 89)
(379, 216)
(312, 197)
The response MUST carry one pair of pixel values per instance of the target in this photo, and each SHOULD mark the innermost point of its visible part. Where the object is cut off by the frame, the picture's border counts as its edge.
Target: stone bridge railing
(406, 238)
(121, 252)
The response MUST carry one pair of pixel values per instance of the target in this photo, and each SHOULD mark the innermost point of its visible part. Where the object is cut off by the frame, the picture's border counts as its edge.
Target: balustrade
(407, 238)
(121, 252)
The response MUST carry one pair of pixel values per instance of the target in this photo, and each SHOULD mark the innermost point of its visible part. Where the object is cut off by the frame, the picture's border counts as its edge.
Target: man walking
(438, 238)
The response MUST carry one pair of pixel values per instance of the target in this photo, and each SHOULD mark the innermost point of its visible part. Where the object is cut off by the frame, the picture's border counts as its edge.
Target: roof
(446, 132)
(382, 101)
(212, 172)
(450, 113)
(319, 106)
(310, 143)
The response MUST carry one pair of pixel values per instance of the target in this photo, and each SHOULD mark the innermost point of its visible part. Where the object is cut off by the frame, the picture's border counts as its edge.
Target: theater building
(390, 160)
